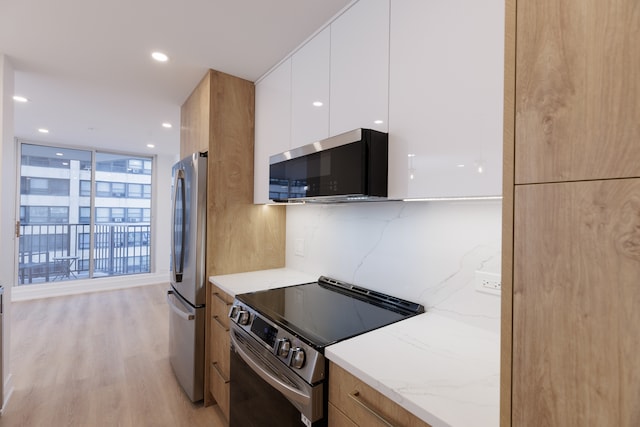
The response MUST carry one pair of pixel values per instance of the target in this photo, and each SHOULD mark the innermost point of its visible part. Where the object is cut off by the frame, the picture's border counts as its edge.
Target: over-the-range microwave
(352, 166)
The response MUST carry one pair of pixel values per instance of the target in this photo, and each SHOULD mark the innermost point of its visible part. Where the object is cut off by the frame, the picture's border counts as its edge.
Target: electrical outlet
(489, 283)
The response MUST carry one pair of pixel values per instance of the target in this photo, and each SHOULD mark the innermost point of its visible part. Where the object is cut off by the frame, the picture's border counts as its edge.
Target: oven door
(264, 392)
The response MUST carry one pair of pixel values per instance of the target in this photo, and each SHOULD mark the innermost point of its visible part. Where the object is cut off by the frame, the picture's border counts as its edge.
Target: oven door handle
(288, 391)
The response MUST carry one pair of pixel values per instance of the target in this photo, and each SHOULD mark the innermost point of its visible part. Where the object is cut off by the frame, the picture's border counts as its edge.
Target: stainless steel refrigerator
(187, 293)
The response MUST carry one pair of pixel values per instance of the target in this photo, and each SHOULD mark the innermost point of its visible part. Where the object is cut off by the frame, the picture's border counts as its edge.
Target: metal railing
(51, 252)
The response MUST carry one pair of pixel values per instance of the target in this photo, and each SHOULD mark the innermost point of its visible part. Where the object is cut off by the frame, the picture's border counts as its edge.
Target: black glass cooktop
(325, 312)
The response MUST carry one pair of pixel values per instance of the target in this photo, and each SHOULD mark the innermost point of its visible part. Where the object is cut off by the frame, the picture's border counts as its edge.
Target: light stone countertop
(444, 371)
(239, 283)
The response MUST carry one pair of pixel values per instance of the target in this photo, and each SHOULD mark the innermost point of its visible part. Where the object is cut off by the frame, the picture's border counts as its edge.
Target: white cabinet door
(445, 100)
(273, 125)
(360, 68)
(310, 91)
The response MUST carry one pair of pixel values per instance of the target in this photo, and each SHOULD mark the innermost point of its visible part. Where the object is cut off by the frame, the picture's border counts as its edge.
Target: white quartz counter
(240, 283)
(443, 371)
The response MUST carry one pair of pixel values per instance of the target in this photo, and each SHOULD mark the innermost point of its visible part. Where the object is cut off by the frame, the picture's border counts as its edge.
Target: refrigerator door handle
(179, 219)
(183, 314)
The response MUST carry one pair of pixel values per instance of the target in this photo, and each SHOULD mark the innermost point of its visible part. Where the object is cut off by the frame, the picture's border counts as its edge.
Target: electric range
(278, 370)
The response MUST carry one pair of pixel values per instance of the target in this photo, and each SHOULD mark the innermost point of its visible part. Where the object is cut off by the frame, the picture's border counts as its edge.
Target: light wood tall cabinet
(218, 117)
(571, 220)
(578, 81)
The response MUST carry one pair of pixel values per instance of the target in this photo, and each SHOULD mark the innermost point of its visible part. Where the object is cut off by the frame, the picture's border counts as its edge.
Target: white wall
(7, 214)
(421, 251)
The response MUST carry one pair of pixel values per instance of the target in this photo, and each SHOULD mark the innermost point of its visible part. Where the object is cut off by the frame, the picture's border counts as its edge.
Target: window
(135, 190)
(135, 166)
(103, 214)
(85, 188)
(117, 214)
(44, 186)
(117, 189)
(44, 214)
(103, 189)
(37, 185)
(134, 215)
(84, 216)
(101, 219)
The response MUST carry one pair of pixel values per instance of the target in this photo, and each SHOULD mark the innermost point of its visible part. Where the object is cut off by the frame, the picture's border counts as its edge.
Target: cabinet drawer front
(338, 419)
(220, 306)
(219, 387)
(366, 406)
(220, 347)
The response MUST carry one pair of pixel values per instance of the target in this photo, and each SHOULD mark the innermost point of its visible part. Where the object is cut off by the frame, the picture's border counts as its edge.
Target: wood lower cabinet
(353, 403)
(576, 323)
(219, 372)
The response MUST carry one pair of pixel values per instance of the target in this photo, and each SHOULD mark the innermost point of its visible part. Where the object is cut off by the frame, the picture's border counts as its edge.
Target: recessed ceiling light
(59, 154)
(378, 122)
(19, 98)
(43, 130)
(318, 104)
(460, 165)
(150, 145)
(167, 125)
(159, 56)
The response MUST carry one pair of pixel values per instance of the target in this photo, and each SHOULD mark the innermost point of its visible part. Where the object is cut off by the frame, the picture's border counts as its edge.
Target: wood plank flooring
(98, 359)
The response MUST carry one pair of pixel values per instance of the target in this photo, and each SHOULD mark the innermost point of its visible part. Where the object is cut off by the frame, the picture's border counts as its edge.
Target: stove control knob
(283, 346)
(297, 358)
(233, 313)
(244, 317)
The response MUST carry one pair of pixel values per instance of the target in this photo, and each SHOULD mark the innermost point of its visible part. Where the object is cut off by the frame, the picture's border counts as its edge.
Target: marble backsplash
(426, 252)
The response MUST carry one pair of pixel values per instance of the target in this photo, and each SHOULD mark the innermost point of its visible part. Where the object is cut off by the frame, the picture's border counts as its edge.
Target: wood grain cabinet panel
(577, 90)
(218, 117)
(576, 323)
(219, 388)
(194, 119)
(219, 348)
(339, 419)
(354, 403)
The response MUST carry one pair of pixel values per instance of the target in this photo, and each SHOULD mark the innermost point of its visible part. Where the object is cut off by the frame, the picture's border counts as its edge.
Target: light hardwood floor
(98, 359)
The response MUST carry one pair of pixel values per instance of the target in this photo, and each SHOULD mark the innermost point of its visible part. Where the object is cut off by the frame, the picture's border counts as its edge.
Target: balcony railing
(52, 252)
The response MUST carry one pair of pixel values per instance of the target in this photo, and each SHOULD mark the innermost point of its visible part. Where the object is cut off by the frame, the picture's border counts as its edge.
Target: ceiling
(86, 66)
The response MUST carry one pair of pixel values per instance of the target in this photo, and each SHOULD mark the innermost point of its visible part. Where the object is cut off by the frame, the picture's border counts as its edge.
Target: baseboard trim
(30, 292)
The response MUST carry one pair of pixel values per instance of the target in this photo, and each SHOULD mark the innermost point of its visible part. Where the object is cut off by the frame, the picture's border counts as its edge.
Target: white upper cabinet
(273, 125)
(310, 91)
(445, 99)
(360, 68)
